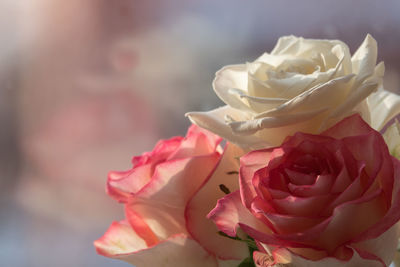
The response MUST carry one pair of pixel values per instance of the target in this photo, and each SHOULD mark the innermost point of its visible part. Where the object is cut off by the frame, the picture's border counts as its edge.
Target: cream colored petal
(284, 44)
(258, 104)
(232, 76)
(292, 86)
(249, 127)
(392, 139)
(355, 98)
(176, 251)
(203, 229)
(216, 121)
(317, 98)
(259, 88)
(384, 106)
(344, 66)
(364, 60)
(271, 59)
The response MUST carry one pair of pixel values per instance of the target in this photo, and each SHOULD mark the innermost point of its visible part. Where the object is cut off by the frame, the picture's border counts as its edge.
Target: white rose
(302, 85)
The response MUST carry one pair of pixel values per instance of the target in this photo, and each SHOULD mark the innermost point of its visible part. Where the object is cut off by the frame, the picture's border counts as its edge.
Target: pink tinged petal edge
(230, 214)
(351, 219)
(249, 164)
(204, 230)
(353, 125)
(140, 227)
(121, 242)
(162, 202)
(160, 152)
(197, 142)
(393, 214)
(119, 239)
(174, 182)
(357, 258)
(122, 184)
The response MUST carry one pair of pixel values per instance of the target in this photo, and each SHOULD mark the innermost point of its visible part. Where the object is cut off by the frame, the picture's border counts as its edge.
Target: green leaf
(247, 262)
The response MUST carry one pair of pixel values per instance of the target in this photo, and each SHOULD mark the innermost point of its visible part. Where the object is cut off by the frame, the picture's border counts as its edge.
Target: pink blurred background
(85, 85)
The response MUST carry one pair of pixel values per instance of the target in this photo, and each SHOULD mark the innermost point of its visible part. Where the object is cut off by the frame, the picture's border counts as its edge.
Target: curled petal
(364, 59)
(384, 106)
(121, 242)
(204, 230)
(217, 121)
(232, 76)
(357, 259)
(230, 212)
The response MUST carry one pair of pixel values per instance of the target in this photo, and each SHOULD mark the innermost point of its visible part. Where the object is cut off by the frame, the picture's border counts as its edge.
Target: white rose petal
(302, 85)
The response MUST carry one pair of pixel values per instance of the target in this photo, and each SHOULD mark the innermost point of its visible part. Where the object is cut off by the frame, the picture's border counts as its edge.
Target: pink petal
(140, 227)
(119, 239)
(161, 203)
(178, 250)
(383, 247)
(392, 216)
(160, 153)
(299, 206)
(174, 182)
(197, 142)
(361, 147)
(121, 185)
(250, 163)
(351, 126)
(204, 230)
(286, 256)
(357, 216)
(230, 213)
(262, 259)
(321, 186)
(288, 224)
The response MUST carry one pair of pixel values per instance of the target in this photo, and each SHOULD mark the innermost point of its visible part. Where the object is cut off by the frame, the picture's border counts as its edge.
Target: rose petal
(321, 186)
(384, 106)
(119, 239)
(121, 185)
(384, 246)
(290, 224)
(248, 127)
(392, 216)
(250, 163)
(357, 215)
(232, 76)
(351, 126)
(285, 256)
(364, 59)
(230, 212)
(178, 250)
(141, 228)
(196, 143)
(298, 206)
(162, 201)
(214, 121)
(257, 104)
(315, 98)
(203, 230)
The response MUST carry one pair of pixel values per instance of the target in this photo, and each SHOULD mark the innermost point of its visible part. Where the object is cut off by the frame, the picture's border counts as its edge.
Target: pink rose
(318, 200)
(165, 208)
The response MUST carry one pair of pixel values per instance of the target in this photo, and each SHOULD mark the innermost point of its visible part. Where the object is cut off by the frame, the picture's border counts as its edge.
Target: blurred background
(85, 85)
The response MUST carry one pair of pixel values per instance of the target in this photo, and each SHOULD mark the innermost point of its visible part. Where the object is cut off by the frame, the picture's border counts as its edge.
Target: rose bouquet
(308, 175)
